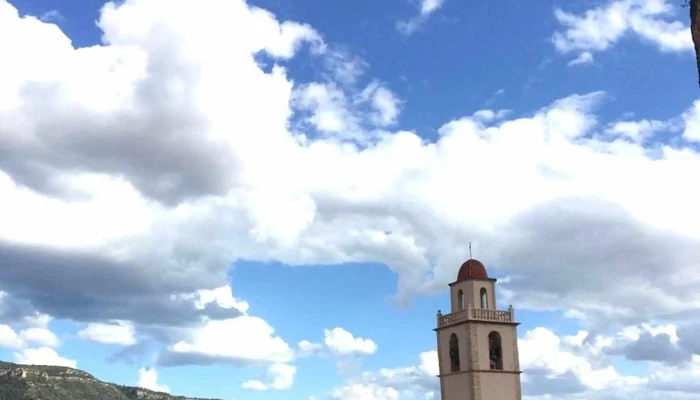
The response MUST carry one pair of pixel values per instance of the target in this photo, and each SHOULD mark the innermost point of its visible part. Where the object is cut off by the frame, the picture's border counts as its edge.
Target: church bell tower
(477, 344)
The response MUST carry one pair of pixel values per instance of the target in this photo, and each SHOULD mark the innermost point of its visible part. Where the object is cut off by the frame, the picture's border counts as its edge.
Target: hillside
(34, 382)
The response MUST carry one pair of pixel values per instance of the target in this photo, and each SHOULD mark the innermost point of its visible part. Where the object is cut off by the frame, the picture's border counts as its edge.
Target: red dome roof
(472, 269)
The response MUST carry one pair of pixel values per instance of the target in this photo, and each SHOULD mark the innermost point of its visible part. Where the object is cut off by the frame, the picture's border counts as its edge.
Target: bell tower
(477, 344)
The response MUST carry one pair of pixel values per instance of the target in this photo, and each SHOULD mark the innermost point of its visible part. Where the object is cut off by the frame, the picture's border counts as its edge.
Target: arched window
(454, 353)
(484, 299)
(495, 351)
(460, 300)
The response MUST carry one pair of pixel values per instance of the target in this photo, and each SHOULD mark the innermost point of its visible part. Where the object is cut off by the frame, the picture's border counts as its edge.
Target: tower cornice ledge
(490, 371)
(472, 321)
(477, 315)
(475, 279)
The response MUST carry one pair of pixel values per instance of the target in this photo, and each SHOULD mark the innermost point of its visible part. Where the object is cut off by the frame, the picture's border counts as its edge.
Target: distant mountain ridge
(38, 382)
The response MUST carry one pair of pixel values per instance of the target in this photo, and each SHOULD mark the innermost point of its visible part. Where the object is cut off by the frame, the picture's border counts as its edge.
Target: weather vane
(470, 250)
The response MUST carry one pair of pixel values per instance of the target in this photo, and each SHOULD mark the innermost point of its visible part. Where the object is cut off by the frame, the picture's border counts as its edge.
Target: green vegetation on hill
(36, 382)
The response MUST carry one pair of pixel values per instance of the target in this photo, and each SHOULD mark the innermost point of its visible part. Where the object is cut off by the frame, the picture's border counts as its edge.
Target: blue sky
(266, 200)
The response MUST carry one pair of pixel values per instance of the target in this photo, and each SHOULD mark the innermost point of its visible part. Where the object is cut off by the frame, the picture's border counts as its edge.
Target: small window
(460, 300)
(495, 351)
(484, 299)
(454, 353)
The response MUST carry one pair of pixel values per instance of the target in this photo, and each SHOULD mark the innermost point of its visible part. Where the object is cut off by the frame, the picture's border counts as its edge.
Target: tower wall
(473, 325)
(444, 348)
(498, 386)
(472, 293)
(509, 342)
(456, 387)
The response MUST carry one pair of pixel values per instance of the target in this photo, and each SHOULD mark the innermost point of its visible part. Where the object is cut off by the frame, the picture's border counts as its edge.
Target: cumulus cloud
(414, 382)
(426, 8)
(554, 364)
(585, 57)
(333, 113)
(10, 338)
(155, 185)
(567, 367)
(43, 356)
(581, 366)
(385, 104)
(601, 27)
(280, 376)
(40, 336)
(339, 343)
(14, 309)
(679, 379)
(691, 119)
(119, 332)
(129, 79)
(126, 286)
(244, 340)
(35, 332)
(342, 343)
(307, 348)
(148, 379)
(344, 66)
(51, 15)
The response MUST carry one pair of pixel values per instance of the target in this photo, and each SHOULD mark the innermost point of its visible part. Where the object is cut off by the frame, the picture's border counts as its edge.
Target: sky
(267, 199)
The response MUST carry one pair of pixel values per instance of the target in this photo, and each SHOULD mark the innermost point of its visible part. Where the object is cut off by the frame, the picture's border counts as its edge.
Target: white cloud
(580, 366)
(148, 379)
(489, 116)
(357, 391)
(562, 367)
(200, 183)
(683, 379)
(415, 382)
(118, 332)
(329, 108)
(51, 15)
(43, 356)
(599, 28)
(306, 348)
(36, 332)
(338, 114)
(691, 118)
(541, 349)
(427, 7)
(638, 131)
(346, 67)
(10, 338)
(281, 377)
(40, 336)
(38, 320)
(585, 57)
(633, 333)
(342, 343)
(384, 102)
(242, 340)
(221, 296)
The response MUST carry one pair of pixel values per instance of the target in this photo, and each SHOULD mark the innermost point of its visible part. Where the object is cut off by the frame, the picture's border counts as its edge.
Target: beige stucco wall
(498, 386)
(444, 347)
(472, 290)
(474, 345)
(508, 334)
(456, 387)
